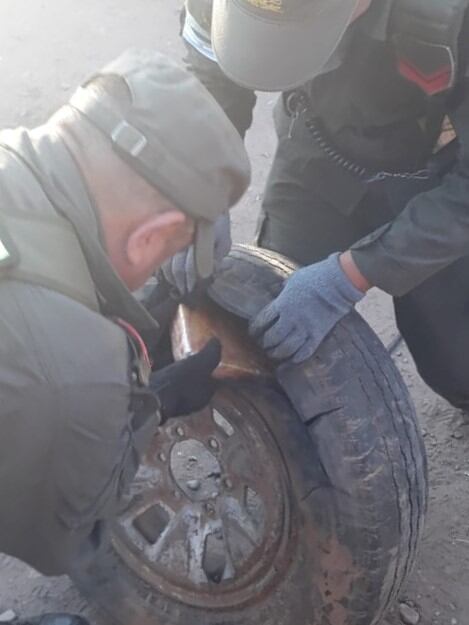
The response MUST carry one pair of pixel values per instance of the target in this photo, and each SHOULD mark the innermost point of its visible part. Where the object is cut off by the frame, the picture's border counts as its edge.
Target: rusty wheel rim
(209, 521)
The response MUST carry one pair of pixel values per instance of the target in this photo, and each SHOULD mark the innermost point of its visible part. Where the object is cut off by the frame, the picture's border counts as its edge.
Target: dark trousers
(308, 214)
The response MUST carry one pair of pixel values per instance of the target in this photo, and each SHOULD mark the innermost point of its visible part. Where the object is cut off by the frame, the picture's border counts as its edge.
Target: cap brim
(204, 247)
(275, 54)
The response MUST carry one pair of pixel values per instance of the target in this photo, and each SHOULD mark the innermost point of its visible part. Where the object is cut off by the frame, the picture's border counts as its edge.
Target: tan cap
(275, 45)
(176, 136)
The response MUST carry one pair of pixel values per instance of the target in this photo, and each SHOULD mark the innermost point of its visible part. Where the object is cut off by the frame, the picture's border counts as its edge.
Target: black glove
(187, 386)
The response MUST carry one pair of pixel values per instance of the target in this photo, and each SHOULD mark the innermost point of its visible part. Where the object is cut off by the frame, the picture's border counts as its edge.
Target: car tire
(338, 499)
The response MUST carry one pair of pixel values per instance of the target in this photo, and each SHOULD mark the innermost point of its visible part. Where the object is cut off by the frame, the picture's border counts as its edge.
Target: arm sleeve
(73, 426)
(91, 469)
(237, 102)
(431, 233)
(100, 435)
(102, 442)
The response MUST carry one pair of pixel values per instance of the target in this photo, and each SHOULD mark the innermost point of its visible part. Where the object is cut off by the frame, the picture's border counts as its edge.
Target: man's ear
(158, 238)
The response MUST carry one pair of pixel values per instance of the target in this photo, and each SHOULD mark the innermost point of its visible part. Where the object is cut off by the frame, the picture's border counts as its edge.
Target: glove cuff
(341, 281)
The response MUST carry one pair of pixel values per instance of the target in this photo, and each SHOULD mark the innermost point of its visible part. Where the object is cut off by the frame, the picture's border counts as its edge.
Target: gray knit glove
(180, 270)
(313, 300)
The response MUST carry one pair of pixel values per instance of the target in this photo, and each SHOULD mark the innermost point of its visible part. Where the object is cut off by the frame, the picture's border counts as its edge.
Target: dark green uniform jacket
(377, 118)
(68, 444)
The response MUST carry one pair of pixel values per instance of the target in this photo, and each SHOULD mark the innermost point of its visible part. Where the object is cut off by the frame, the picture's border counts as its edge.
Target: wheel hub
(195, 470)
(208, 522)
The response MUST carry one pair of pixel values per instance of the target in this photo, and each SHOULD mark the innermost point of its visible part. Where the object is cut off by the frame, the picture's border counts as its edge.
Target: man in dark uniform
(358, 192)
(137, 166)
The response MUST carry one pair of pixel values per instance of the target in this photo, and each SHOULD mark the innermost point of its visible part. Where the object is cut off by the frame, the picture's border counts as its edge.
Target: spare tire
(293, 503)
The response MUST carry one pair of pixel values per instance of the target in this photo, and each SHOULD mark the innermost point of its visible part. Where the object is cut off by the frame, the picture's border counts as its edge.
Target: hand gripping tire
(299, 502)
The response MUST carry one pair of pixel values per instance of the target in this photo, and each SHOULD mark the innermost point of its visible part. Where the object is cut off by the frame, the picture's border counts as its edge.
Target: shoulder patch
(431, 67)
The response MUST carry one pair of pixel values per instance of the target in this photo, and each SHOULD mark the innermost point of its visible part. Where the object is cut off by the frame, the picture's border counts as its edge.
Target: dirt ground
(46, 48)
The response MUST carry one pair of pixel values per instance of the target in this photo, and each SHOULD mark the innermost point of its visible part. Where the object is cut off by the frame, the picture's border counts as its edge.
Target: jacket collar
(48, 159)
